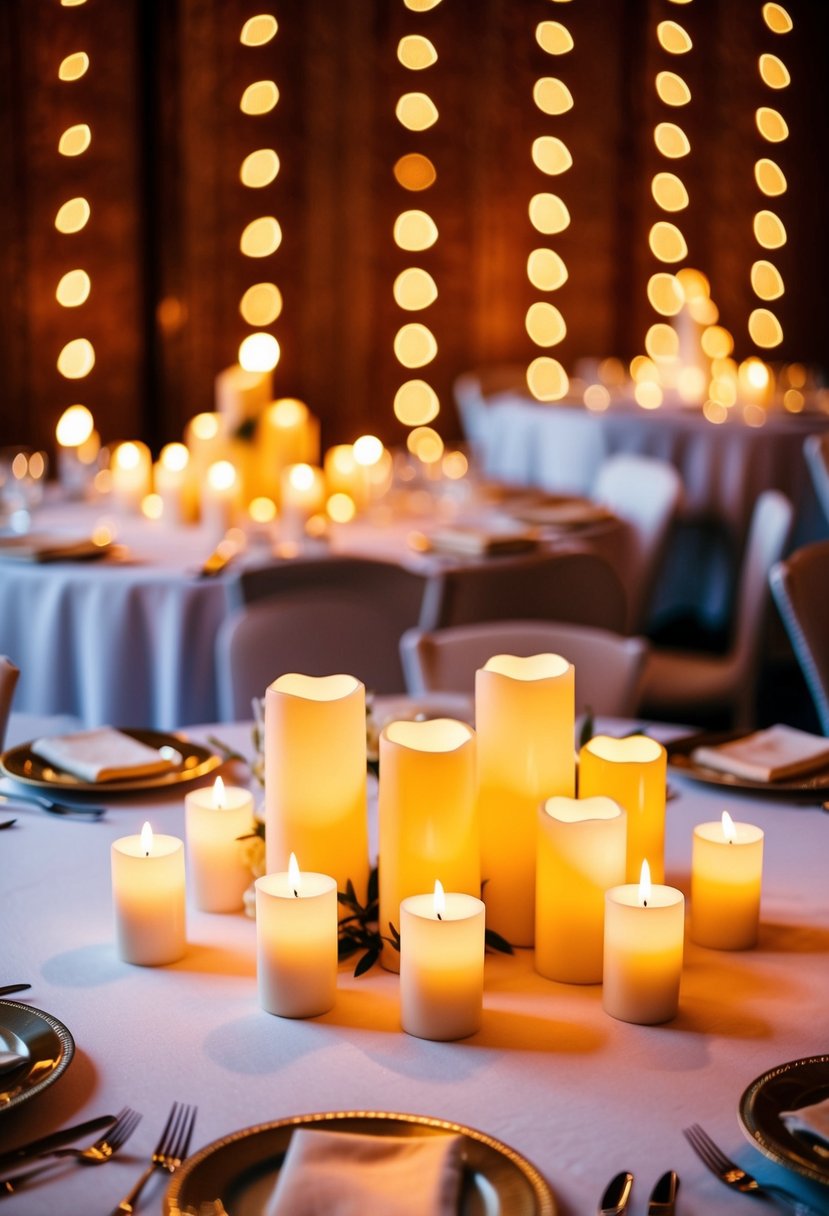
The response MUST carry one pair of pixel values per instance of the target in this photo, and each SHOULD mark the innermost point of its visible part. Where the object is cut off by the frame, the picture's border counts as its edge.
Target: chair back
(316, 632)
(768, 534)
(800, 585)
(645, 492)
(608, 666)
(816, 451)
(9, 675)
(399, 589)
(576, 586)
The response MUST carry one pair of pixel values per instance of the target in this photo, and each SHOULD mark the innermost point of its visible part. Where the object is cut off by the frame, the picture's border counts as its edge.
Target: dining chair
(816, 451)
(682, 683)
(572, 585)
(314, 631)
(608, 665)
(9, 675)
(474, 390)
(800, 584)
(400, 589)
(645, 493)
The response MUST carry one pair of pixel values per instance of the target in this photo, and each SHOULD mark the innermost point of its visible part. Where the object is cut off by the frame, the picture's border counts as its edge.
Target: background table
(579, 1094)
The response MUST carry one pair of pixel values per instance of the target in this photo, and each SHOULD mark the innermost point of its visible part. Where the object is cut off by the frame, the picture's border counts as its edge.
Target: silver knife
(54, 1140)
(616, 1195)
(663, 1196)
(8, 989)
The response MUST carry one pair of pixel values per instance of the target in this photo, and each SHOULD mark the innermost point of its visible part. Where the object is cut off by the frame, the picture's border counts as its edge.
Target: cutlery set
(51, 806)
(662, 1201)
(733, 1176)
(168, 1154)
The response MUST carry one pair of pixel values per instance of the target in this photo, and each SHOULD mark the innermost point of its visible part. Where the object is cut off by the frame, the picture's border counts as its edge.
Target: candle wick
(644, 903)
(296, 893)
(439, 916)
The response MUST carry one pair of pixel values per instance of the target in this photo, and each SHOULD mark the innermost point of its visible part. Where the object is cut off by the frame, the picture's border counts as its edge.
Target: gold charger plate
(680, 759)
(788, 1087)
(24, 766)
(46, 1044)
(241, 1169)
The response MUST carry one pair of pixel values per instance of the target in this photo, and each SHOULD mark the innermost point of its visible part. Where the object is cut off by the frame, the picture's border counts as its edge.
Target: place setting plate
(788, 1087)
(680, 759)
(45, 1044)
(22, 765)
(241, 1169)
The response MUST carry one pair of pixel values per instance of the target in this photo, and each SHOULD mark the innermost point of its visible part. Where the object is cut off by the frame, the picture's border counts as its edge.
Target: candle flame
(219, 794)
(440, 900)
(645, 884)
(728, 828)
(293, 874)
(146, 839)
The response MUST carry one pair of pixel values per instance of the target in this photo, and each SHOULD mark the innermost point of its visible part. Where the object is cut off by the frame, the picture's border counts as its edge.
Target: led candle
(427, 815)
(288, 434)
(241, 395)
(296, 942)
(441, 965)
(302, 495)
(581, 852)
(173, 481)
(726, 875)
(131, 470)
(632, 771)
(315, 776)
(216, 817)
(524, 717)
(643, 939)
(148, 898)
(220, 499)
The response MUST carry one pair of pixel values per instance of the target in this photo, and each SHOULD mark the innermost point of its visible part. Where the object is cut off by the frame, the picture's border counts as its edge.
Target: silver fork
(168, 1154)
(96, 1154)
(732, 1175)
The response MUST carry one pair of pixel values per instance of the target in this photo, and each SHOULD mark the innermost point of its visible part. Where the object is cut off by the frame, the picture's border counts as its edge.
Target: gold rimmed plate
(44, 1044)
(788, 1087)
(681, 760)
(241, 1169)
(191, 762)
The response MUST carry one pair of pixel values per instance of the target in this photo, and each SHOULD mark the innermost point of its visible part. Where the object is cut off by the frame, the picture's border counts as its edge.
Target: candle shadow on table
(792, 939)
(85, 967)
(261, 1044)
(510, 1031)
(216, 960)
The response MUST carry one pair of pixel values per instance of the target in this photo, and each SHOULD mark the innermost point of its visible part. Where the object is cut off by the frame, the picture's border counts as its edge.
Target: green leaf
(374, 885)
(350, 902)
(229, 753)
(366, 962)
(496, 942)
(395, 935)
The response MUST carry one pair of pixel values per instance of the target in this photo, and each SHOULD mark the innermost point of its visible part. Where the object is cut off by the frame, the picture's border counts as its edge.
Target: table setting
(528, 1086)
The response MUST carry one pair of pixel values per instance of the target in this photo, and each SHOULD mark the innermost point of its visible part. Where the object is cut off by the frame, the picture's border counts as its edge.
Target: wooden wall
(162, 97)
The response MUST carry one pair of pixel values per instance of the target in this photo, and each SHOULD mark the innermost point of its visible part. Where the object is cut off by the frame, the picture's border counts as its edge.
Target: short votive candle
(633, 772)
(216, 817)
(296, 943)
(726, 877)
(441, 965)
(148, 898)
(643, 945)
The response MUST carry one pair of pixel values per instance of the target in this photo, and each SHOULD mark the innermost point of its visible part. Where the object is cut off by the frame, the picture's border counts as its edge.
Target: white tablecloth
(579, 1094)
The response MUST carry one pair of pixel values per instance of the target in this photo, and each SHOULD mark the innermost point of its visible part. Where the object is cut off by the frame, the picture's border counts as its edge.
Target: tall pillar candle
(427, 815)
(581, 853)
(643, 944)
(345, 475)
(220, 499)
(632, 771)
(296, 942)
(173, 482)
(726, 876)
(148, 898)
(216, 817)
(302, 495)
(131, 475)
(240, 395)
(288, 434)
(441, 965)
(525, 721)
(315, 776)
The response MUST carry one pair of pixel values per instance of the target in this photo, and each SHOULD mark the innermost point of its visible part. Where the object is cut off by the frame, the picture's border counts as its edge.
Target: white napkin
(468, 541)
(813, 1119)
(101, 755)
(348, 1174)
(10, 1060)
(767, 755)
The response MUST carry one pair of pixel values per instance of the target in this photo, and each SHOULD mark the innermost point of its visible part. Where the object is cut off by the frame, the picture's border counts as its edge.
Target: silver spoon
(54, 808)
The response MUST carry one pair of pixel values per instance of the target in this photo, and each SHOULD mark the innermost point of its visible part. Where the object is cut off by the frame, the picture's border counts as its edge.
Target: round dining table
(575, 1092)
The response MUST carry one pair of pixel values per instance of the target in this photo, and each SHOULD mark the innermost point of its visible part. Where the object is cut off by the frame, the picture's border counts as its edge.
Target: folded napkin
(37, 547)
(10, 1060)
(767, 755)
(813, 1120)
(468, 541)
(101, 755)
(347, 1174)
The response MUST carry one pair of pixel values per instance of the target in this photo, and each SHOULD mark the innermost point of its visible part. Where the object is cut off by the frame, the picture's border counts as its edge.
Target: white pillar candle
(632, 771)
(581, 852)
(131, 470)
(220, 499)
(441, 965)
(240, 395)
(643, 941)
(427, 815)
(726, 876)
(524, 717)
(296, 942)
(302, 495)
(288, 434)
(148, 898)
(173, 483)
(216, 817)
(315, 776)
(345, 475)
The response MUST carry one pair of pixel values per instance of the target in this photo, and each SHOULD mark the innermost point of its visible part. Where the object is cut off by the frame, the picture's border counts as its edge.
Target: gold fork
(168, 1154)
(96, 1154)
(732, 1175)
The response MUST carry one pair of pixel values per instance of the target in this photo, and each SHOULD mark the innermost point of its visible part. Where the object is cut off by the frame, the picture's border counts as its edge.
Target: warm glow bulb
(547, 379)
(74, 426)
(546, 269)
(667, 242)
(367, 450)
(414, 171)
(175, 457)
(75, 140)
(221, 475)
(548, 214)
(426, 444)
(416, 403)
(73, 289)
(259, 168)
(554, 38)
(552, 96)
(261, 237)
(671, 140)
(774, 72)
(259, 353)
(73, 66)
(416, 52)
(261, 304)
(414, 289)
(301, 477)
(259, 97)
(416, 111)
(77, 359)
(551, 155)
(673, 38)
(415, 231)
(127, 456)
(415, 345)
(258, 30)
(73, 215)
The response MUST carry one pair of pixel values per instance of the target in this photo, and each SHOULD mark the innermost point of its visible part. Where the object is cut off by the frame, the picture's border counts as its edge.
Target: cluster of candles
(578, 879)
